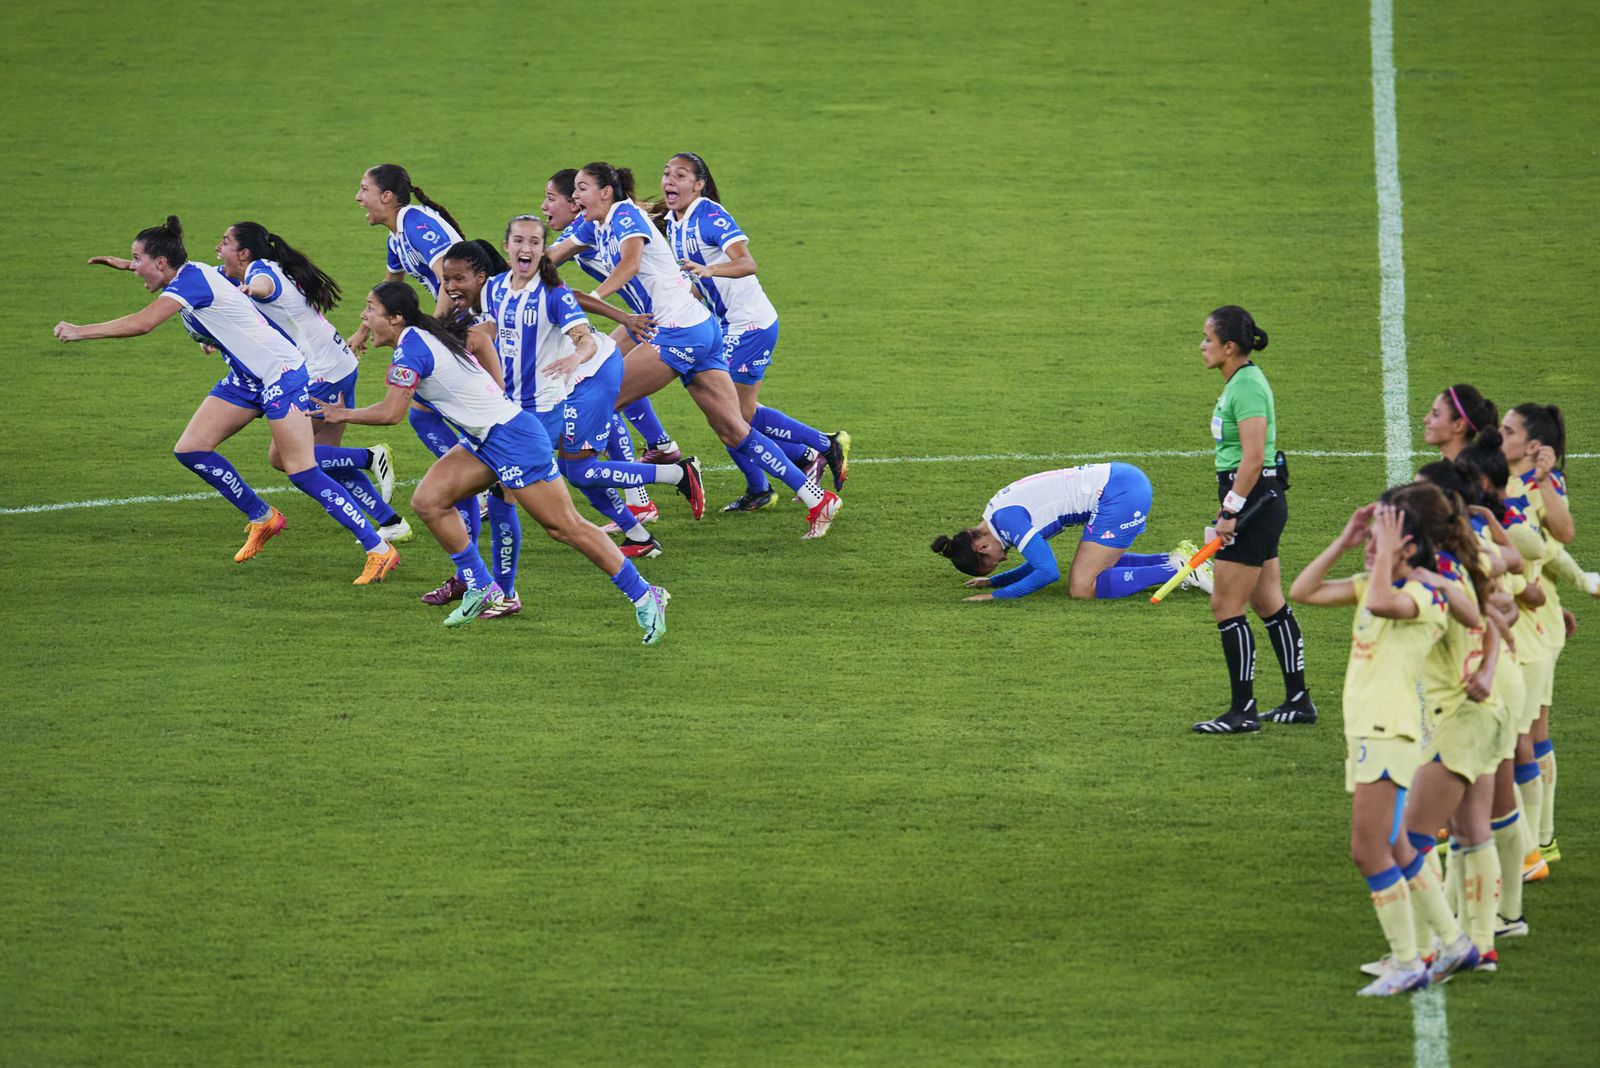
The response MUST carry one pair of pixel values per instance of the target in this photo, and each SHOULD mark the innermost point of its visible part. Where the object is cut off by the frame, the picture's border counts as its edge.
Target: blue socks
(326, 492)
(339, 458)
(630, 582)
(760, 450)
(1119, 580)
(783, 428)
(222, 477)
(643, 417)
(1142, 560)
(618, 473)
(755, 479)
(505, 531)
(365, 494)
(471, 568)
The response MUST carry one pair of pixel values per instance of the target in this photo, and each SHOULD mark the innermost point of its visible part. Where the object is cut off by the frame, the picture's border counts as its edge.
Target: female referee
(1244, 426)
(266, 375)
(1112, 504)
(712, 248)
(687, 344)
(499, 443)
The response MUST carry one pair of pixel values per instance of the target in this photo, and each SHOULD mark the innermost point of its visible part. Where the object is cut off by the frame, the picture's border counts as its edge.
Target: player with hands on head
(266, 376)
(499, 442)
(1398, 620)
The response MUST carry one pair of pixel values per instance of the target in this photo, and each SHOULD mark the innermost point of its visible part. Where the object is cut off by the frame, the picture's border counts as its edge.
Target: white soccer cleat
(1399, 979)
(1460, 955)
(1202, 577)
(397, 531)
(381, 468)
(820, 518)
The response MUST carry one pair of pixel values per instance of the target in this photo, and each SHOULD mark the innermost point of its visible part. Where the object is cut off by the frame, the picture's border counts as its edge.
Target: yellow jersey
(1384, 695)
(1458, 653)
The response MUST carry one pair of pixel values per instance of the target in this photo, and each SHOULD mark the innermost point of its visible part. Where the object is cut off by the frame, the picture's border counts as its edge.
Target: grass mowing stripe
(976, 457)
(1429, 1022)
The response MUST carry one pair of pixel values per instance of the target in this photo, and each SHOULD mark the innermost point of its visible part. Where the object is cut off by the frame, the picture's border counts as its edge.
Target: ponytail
(166, 241)
(397, 298)
(1447, 524)
(1232, 323)
(393, 178)
(958, 549)
(321, 291)
(1473, 407)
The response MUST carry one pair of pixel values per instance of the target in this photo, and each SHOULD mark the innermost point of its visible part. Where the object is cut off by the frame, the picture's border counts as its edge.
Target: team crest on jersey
(404, 377)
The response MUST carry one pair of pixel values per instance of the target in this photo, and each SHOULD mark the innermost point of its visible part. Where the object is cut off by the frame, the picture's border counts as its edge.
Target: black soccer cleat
(1230, 722)
(1297, 711)
(838, 458)
(753, 502)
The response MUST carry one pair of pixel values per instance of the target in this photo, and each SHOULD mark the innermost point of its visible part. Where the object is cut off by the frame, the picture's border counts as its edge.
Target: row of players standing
(533, 334)
(1447, 695)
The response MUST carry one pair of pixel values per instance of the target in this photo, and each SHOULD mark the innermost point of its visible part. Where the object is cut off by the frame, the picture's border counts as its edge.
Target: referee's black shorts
(1258, 541)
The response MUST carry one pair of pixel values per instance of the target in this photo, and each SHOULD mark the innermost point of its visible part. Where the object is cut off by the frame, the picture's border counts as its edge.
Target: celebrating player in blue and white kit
(687, 344)
(711, 247)
(576, 242)
(295, 296)
(266, 376)
(1111, 502)
(419, 235)
(555, 366)
(499, 442)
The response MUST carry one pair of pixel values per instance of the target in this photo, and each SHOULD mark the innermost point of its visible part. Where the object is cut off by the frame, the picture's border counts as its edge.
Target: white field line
(977, 457)
(1430, 1025)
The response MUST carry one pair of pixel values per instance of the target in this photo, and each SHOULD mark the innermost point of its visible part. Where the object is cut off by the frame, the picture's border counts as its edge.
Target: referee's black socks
(1239, 648)
(1284, 630)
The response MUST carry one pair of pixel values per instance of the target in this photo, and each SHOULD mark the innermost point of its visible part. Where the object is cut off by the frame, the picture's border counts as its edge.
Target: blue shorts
(517, 451)
(587, 412)
(691, 350)
(1123, 510)
(340, 392)
(749, 353)
(276, 401)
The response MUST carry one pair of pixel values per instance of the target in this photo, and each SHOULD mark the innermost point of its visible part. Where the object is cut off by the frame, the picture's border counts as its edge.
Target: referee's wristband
(1233, 503)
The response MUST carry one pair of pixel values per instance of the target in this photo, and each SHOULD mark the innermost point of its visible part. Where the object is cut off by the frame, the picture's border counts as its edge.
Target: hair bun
(1489, 438)
(1258, 340)
(941, 545)
(175, 226)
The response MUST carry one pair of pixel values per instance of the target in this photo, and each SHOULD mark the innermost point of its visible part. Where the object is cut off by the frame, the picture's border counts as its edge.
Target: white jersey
(328, 358)
(703, 236)
(456, 388)
(672, 299)
(215, 313)
(420, 237)
(1051, 500)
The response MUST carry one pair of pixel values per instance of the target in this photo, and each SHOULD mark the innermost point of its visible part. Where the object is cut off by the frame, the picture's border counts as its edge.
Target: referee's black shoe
(1300, 710)
(1230, 722)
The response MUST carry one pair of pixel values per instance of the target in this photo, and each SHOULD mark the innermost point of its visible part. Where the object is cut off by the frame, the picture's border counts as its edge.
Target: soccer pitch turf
(253, 815)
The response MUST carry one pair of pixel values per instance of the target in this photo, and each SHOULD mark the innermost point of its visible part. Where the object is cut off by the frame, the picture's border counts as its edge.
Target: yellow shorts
(1539, 677)
(1547, 680)
(1368, 759)
(1468, 741)
(1510, 687)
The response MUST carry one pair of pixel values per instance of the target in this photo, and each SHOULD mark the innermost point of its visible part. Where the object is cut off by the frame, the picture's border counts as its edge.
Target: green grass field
(253, 815)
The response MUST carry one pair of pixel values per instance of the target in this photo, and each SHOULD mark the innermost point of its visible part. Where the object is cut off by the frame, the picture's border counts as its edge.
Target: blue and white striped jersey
(672, 299)
(531, 325)
(420, 237)
(589, 257)
(456, 388)
(215, 313)
(328, 358)
(704, 235)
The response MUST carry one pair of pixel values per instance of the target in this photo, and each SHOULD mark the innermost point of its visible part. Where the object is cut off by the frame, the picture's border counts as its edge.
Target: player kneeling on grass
(1398, 620)
(1112, 504)
(499, 443)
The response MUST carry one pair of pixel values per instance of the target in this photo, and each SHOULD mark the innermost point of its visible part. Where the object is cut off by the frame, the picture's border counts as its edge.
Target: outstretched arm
(140, 322)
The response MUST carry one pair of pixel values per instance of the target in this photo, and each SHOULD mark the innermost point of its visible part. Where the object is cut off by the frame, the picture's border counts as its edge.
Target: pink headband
(1463, 412)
